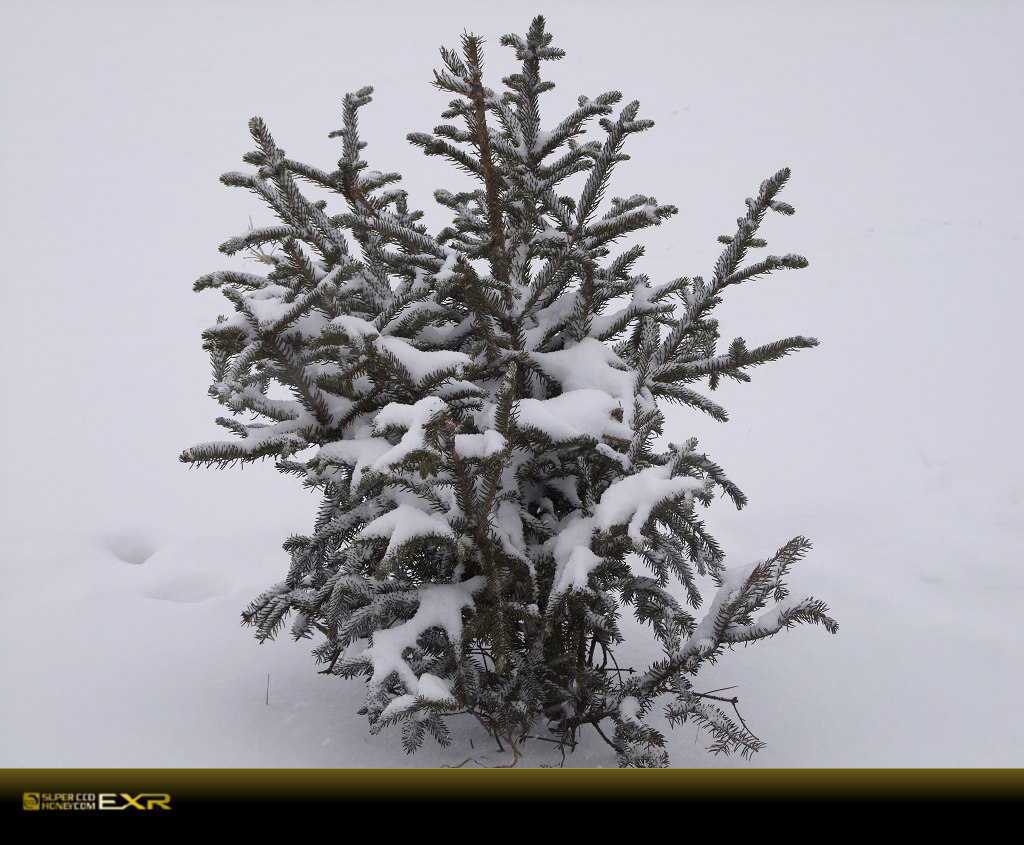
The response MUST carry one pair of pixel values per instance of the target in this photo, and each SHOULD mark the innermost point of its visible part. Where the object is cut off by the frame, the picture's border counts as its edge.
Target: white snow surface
(894, 446)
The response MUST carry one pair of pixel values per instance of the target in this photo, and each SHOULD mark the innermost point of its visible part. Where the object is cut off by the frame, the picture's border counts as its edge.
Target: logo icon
(30, 801)
(143, 801)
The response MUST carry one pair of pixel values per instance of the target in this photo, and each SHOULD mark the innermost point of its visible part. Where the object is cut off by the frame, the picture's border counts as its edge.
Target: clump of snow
(360, 452)
(433, 688)
(479, 445)
(411, 417)
(633, 498)
(440, 607)
(406, 522)
(354, 326)
(589, 364)
(588, 412)
(421, 363)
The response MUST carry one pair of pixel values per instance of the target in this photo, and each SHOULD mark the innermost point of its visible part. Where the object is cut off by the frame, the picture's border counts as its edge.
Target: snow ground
(894, 446)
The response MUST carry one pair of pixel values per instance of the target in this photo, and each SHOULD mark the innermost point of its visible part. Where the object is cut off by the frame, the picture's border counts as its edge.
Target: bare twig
(733, 701)
(597, 728)
(257, 251)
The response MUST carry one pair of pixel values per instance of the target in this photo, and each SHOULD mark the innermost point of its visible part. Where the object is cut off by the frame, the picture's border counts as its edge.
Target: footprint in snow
(131, 548)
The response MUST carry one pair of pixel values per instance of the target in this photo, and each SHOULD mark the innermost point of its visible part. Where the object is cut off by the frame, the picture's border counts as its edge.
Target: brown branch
(492, 192)
(318, 408)
(357, 197)
(597, 728)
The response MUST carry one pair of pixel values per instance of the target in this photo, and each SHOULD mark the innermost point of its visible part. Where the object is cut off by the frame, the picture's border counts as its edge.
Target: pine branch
(480, 412)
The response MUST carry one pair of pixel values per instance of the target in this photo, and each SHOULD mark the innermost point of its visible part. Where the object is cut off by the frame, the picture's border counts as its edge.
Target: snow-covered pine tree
(480, 409)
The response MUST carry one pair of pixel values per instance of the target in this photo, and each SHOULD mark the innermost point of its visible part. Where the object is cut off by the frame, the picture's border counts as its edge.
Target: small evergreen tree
(479, 410)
